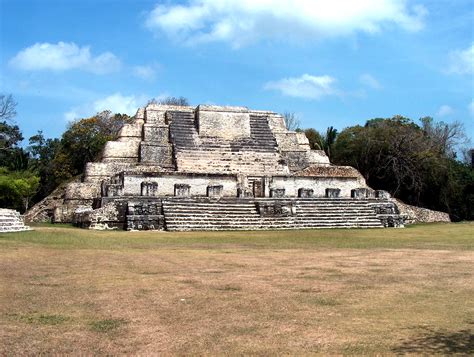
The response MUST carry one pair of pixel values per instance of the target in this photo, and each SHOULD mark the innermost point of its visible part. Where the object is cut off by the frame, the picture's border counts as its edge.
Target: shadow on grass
(439, 342)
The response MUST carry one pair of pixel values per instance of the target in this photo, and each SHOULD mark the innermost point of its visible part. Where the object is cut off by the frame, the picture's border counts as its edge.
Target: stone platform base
(11, 221)
(204, 213)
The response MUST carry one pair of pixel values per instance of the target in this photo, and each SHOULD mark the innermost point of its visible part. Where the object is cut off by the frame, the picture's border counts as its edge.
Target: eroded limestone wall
(224, 122)
(421, 215)
(132, 184)
(291, 185)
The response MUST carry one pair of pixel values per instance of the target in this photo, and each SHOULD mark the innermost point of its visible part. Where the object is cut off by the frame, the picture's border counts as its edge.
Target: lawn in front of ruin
(66, 290)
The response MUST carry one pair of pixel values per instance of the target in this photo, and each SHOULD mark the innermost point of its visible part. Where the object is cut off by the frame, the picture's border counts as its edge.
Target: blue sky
(337, 62)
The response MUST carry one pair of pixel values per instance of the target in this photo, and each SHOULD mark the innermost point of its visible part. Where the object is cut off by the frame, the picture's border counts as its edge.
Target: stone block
(362, 193)
(276, 209)
(131, 131)
(155, 116)
(224, 122)
(276, 123)
(149, 188)
(181, 190)
(277, 192)
(116, 150)
(333, 192)
(302, 140)
(317, 157)
(82, 191)
(156, 134)
(382, 194)
(305, 192)
(161, 155)
(215, 191)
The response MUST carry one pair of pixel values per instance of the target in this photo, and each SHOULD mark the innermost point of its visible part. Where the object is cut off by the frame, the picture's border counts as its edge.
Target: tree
(444, 137)
(414, 163)
(84, 140)
(176, 101)
(11, 155)
(314, 138)
(292, 121)
(17, 189)
(322, 142)
(42, 153)
(7, 107)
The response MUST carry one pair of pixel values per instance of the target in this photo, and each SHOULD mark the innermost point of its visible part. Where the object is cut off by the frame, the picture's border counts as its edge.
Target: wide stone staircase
(255, 154)
(188, 214)
(11, 221)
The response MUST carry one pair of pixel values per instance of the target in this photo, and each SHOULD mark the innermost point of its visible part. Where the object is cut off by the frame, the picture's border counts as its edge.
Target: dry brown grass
(234, 300)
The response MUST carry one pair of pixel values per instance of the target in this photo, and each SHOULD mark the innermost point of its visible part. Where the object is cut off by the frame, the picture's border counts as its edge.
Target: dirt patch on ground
(235, 301)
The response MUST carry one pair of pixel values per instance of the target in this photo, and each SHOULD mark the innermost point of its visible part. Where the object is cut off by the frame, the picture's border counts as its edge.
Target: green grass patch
(43, 319)
(456, 236)
(107, 325)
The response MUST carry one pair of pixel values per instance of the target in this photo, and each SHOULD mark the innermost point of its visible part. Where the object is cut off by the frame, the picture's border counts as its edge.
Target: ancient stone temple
(216, 168)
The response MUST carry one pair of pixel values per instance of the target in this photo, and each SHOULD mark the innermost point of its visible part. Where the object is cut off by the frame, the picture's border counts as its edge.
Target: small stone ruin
(11, 221)
(219, 168)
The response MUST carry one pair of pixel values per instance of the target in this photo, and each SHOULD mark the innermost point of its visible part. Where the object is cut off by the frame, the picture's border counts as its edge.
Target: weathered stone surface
(277, 192)
(121, 151)
(415, 214)
(223, 122)
(305, 192)
(363, 192)
(214, 167)
(158, 154)
(11, 221)
(333, 192)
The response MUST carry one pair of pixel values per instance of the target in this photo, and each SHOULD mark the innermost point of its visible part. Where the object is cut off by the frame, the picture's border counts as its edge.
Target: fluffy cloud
(116, 103)
(445, 110)
(145, 72)
(62, 57)
(243, 21)
(370, 81)
(462, 61)
(306, 86)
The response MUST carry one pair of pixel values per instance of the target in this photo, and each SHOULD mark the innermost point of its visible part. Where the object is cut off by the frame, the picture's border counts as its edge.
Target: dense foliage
(416, 163)
(28, 175)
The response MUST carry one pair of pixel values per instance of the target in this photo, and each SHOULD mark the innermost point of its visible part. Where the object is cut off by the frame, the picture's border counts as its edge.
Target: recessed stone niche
(305, 192)
(333, 192)
(277, 192)
(149, 188)
(361, 193)
(215, 191)
(181, 190)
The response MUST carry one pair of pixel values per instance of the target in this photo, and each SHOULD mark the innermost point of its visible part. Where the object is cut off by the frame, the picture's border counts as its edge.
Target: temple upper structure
(209, 155)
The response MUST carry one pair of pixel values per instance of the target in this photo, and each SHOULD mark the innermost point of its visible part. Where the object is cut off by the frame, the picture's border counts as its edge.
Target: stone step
(267, 227)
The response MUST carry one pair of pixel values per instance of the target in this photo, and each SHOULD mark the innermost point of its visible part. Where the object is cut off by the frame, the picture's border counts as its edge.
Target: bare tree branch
(7, 107)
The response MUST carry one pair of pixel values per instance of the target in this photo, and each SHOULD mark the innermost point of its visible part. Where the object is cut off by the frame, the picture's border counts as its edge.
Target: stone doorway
(257, 186)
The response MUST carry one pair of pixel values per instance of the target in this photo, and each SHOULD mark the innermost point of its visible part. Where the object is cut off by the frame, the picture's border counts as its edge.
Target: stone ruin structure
(219, 168)
(11, 221)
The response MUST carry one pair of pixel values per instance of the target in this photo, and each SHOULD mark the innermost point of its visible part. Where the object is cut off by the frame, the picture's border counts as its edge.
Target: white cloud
(145, 72)
(471, 107)
(116, 103)
(243, 21)
(462, 61)
(370, 81)
(62, 57)
(306, 86)
(445, 110)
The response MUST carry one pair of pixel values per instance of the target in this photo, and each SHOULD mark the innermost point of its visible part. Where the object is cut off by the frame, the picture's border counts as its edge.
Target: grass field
(392, 291)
